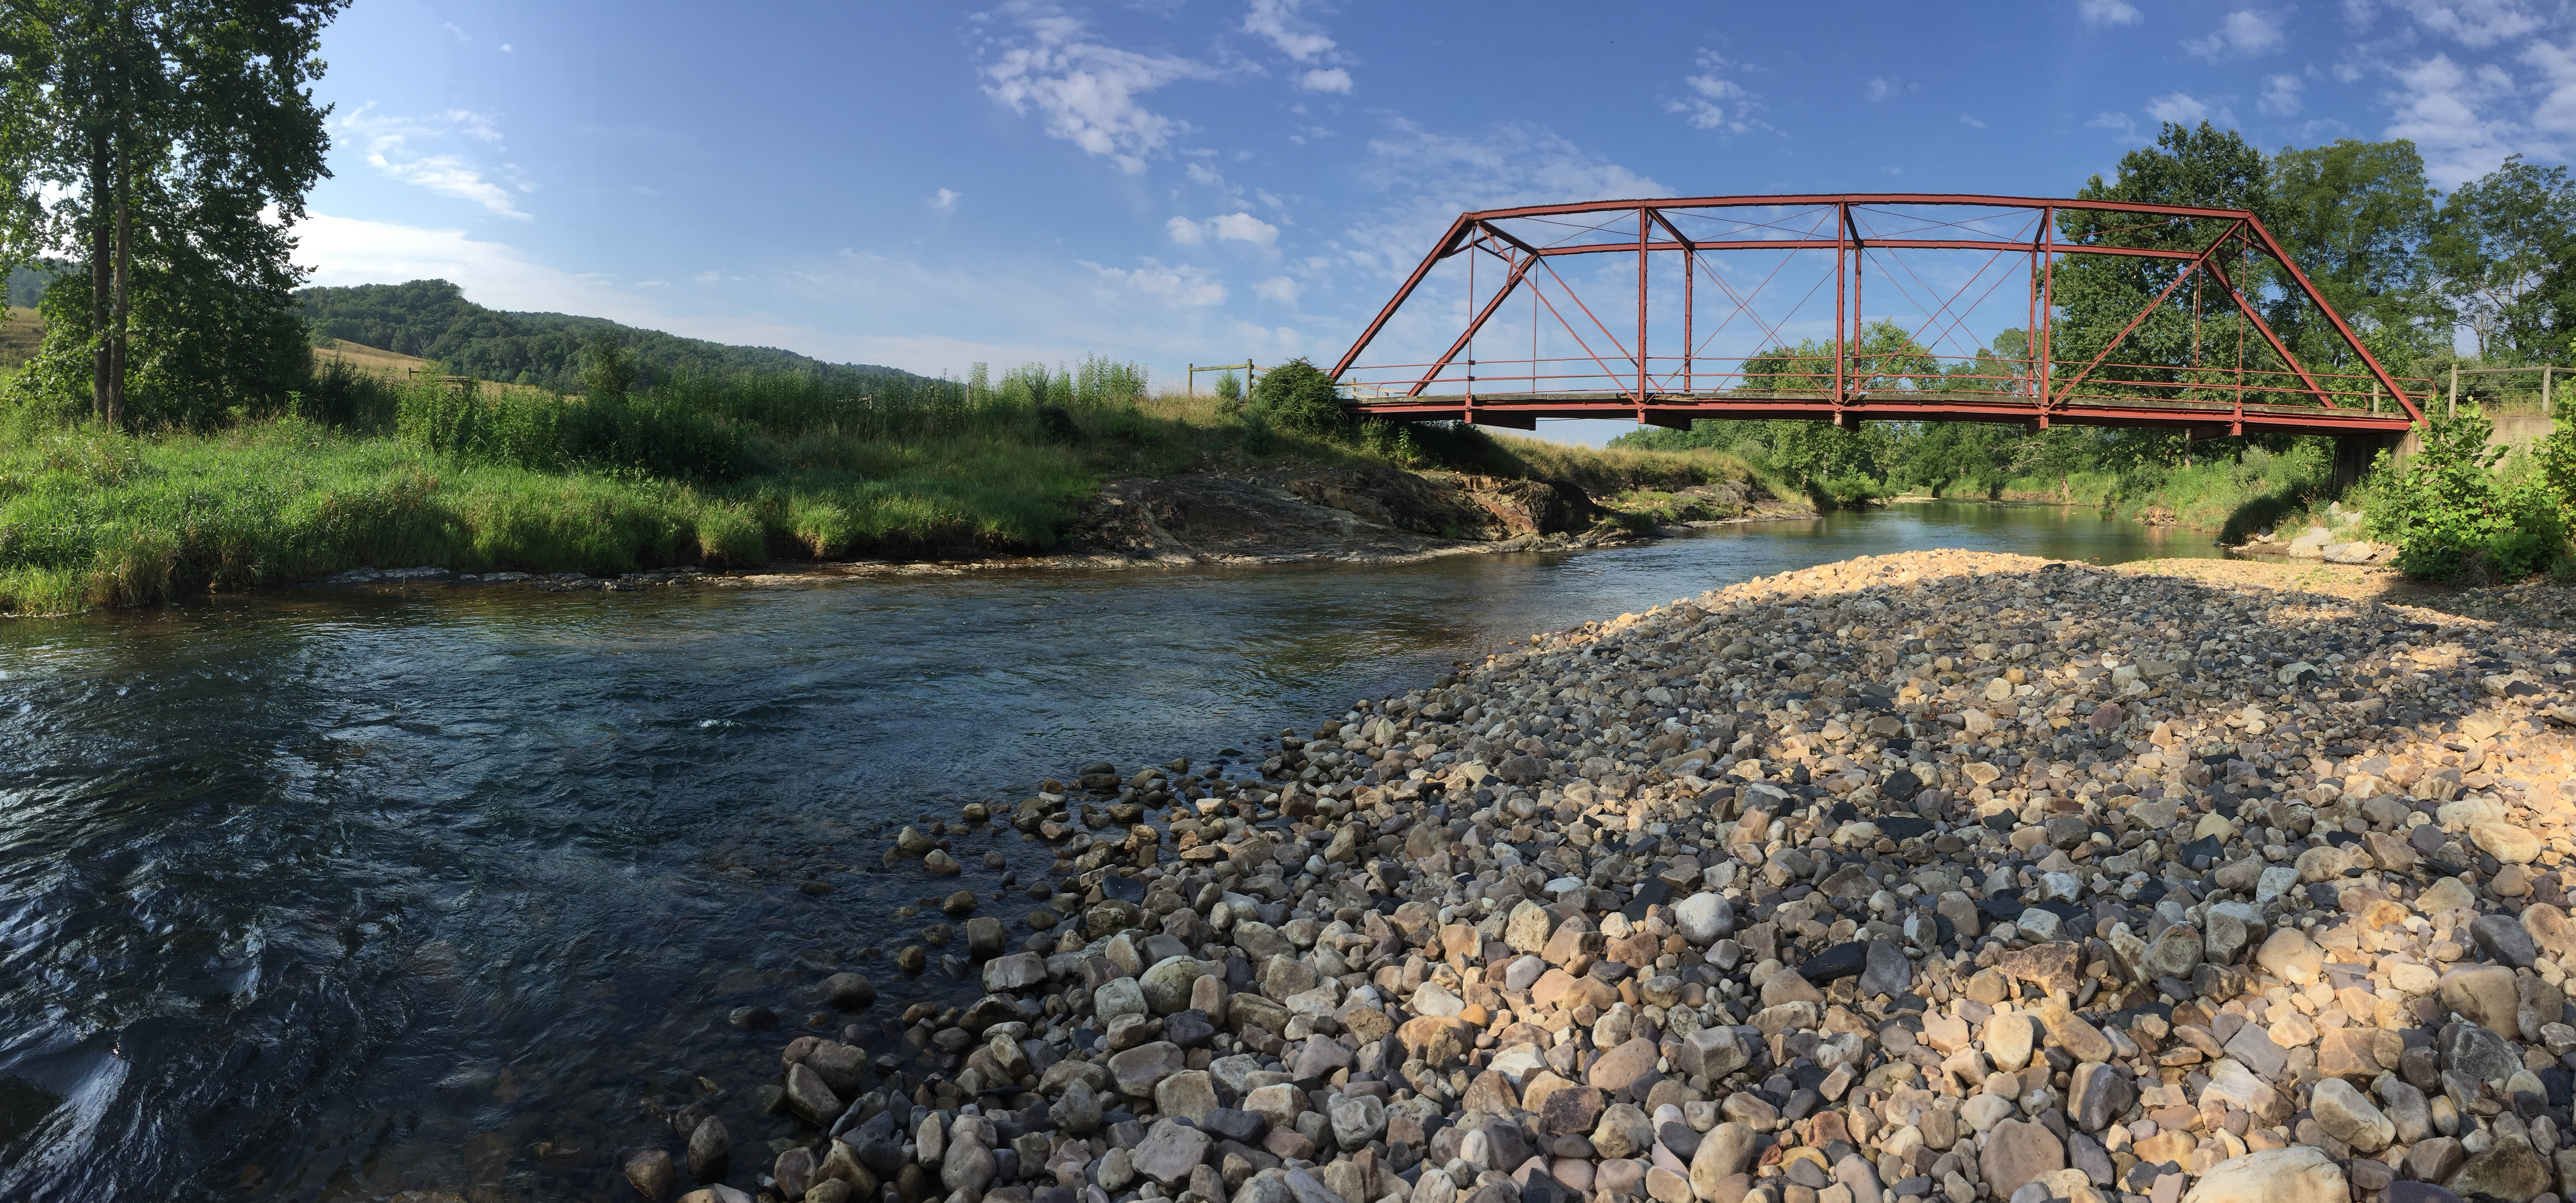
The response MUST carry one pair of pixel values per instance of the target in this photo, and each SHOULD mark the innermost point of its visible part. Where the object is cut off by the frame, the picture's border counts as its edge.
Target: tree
(2096, 295)
(2357, 217)
(2503, 239)
(172, 142)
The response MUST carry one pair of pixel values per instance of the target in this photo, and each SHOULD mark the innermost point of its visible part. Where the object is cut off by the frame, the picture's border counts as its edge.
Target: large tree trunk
(124, 301)
(102, 262)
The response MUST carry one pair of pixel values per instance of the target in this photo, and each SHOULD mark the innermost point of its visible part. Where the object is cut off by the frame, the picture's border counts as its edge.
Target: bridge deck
(1679, 410)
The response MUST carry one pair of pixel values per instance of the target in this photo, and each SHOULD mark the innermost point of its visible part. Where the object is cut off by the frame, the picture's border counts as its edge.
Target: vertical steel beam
(1842, 246)
(1690, 349)
(2047, 324)
(1642, 220)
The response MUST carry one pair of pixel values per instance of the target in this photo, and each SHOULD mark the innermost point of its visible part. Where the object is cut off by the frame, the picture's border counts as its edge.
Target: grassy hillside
(712, 471)
(19, 336)
(431, 319)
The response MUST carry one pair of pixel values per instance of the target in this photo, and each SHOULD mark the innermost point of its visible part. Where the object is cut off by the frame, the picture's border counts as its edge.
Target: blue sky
(1204, 180)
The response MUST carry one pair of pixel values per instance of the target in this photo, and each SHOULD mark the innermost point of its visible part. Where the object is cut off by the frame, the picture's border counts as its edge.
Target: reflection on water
(325, 896)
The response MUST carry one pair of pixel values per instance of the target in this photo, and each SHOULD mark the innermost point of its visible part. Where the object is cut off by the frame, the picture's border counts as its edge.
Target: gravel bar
(1924, 878)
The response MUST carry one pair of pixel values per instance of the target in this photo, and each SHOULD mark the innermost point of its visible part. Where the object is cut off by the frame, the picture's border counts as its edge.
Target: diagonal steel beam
(2203, 259)
(1512, 282)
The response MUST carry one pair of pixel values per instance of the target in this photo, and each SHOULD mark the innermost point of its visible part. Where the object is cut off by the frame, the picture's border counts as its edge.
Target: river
(322, 895)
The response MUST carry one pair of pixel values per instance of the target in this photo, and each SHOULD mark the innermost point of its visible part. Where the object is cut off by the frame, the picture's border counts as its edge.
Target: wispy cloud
(945, 200)
(391, 150)
(1087, 90)
(2244, 33)
(1716, 101)
(2281, 95)
(1277, 20)
(2107, 13)
(1971, 122)
(2450, 111)
(1178, 284)
(1278, 288)
(2183, 108)
(1326, 79)
(2476, 24)
(1231, 227)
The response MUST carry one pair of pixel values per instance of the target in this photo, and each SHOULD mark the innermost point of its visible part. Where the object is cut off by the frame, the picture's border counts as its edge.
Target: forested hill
(432, 319)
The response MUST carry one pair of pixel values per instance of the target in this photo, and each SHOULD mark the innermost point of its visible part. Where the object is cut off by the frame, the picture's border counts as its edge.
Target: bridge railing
(1892, 380)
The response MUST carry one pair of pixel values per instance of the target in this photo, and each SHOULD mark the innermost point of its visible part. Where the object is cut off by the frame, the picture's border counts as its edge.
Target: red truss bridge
(1895, 307)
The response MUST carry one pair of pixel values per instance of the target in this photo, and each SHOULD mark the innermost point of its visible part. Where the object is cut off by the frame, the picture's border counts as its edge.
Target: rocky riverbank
(1933, 877)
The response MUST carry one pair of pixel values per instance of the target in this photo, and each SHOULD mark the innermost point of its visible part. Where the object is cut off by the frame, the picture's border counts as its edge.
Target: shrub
(2449, 512)
(1298, 397)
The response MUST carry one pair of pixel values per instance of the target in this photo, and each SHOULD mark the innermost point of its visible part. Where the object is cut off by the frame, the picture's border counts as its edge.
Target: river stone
(2483, 1055)
(2009, 1037)
(1725, 1151)
(2098, 1094)
(2298, 1174)
(1528, 927)
(808, 1096)
(1166, 986)
(1140, 1069)
(2288, 954)
(1170, 1151)
(2511, 843)
(1187, 1095)
(2174, 954)
(2069, 1031)
(968, 1166)
(1885, 971)
(2549, 927)
(1624, 1131)
(2486, 995)
(2349, 1117)
(2018, 1152)
(710, 1146)
(2505, 939)
(1116, 997)
(1356, 1119)
(848, 991)
(651, 1174)
(1705, 918)
(1078, 1111)
(2509, 1170)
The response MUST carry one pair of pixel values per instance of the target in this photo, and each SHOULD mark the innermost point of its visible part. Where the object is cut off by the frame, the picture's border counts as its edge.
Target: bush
(2450, 513)
(1298, 397)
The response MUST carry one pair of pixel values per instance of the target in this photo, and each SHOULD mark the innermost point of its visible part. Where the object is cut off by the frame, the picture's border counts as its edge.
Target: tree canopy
(172, 143)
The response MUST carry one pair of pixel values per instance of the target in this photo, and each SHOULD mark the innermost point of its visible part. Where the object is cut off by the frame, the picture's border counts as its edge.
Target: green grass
(699, 474)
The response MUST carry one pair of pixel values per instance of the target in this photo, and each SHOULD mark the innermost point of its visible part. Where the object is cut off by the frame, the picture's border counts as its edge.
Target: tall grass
(370, 471)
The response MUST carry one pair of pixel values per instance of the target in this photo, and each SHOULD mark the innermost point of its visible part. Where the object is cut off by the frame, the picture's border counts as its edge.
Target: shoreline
(1931, 876)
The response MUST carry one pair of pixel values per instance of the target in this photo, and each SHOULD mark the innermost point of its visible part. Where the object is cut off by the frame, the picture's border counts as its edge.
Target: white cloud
(2476, 24)
(2281, 95)
(2183, 108)
(1971, 122)
(2445, 108)
(643, 190)
(1878, 89)
(1326, 79)
(945, 200)
(1231, 227)
(390, 150)
(2106, 13)
(1178, 284)
(1278, 21)
(460, 34)
(2125, 125)
(505, 48)
(1431, 178)
(1716, 102)
(1086, 89)
(1278, 288)
(709, 276)
(2244, 32)
(2556, 111)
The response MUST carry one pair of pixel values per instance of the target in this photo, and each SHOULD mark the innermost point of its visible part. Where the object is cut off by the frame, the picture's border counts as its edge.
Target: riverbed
(325, 895)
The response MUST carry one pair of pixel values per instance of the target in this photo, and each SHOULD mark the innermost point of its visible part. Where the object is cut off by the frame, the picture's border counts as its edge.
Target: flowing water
(325, 895)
